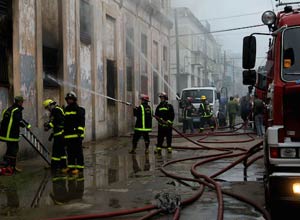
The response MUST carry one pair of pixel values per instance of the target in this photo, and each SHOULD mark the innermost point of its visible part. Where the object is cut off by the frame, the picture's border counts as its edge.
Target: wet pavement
(114, 180)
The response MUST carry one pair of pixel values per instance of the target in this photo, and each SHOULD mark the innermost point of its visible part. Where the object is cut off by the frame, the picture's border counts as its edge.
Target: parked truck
(195, 93)
(281, 95)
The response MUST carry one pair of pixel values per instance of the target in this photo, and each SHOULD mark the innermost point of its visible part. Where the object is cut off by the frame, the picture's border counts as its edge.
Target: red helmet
(145, 97)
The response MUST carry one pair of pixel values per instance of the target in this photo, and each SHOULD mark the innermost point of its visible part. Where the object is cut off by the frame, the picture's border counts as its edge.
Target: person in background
(12, 120)
(165, 114)
(258, 113)
(245, 106)
(237, 100)
(232, 108)
(56, 122)
(206, 114)
(143, 125)
(188, 112)
(74, 133)
(221, 118)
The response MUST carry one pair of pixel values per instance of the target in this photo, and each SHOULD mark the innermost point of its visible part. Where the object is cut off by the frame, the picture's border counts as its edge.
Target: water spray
(60, 82)
(151, 65)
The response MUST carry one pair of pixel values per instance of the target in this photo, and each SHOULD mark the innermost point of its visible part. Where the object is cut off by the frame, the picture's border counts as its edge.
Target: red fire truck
(282, 97)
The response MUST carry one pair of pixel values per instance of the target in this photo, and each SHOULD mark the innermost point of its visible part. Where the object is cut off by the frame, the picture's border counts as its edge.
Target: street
(115, 180)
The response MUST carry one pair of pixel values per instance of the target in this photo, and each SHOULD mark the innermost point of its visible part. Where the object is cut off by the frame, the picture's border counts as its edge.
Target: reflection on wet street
(114, 180)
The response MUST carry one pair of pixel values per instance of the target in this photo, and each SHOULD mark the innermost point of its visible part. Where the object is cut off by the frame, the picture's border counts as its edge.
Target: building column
(24, 55)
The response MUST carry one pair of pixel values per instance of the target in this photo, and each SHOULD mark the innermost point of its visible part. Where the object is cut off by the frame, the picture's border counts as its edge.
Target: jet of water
(61, 82)
(151, 65)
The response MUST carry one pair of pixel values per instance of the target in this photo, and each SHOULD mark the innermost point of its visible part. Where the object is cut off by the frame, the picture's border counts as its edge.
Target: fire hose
(207, 181)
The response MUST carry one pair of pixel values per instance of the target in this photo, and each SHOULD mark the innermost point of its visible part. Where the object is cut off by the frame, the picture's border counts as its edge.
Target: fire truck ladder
(37, 145)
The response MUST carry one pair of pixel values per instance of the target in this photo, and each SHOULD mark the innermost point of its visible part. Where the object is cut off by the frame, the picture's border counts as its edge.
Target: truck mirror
(249, 77)
(249, 52)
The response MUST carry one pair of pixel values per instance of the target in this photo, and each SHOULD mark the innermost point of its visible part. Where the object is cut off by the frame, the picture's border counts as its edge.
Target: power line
(218, 31)
(233, 16)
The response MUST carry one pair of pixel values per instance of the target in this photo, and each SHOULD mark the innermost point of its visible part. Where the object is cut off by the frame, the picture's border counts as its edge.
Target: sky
(227, 14)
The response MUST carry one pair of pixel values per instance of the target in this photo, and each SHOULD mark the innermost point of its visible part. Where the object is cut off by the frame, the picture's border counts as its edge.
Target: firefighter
(188, 112)
(12, 120)
(74, 130)
(56, 122)
(143, 125)
(205, 114)
(165, 114)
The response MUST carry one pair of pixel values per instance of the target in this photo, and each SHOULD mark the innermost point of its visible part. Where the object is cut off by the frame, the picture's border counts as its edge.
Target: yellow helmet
(48, 102)
(203, 97)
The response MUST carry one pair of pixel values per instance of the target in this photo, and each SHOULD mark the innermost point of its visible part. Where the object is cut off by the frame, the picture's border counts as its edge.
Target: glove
(170, 123)
(50, 137)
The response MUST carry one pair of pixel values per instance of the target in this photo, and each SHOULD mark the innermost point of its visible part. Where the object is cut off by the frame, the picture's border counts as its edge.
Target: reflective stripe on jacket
(57, 121)
(11, 122)
(165, 112)
(143, 115)
(204, 110)
(74, 121)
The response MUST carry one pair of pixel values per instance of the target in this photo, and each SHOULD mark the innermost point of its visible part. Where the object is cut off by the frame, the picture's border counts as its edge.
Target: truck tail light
(281, 135)
(274, 152)
(296, 188)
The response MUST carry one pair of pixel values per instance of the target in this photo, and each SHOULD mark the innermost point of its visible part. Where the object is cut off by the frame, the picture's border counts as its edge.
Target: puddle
(112, 180)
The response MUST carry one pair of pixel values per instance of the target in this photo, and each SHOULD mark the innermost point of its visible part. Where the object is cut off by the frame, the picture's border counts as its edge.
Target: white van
(196, 93)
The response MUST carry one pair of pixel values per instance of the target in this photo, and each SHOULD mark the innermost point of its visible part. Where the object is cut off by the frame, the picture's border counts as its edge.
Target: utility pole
(224, 73)
(177, 52)
(205, 59)
(233, 77)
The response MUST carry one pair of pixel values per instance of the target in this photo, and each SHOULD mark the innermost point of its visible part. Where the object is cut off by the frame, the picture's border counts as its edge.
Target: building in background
(196, 57)
(233, 77)
(115, 48)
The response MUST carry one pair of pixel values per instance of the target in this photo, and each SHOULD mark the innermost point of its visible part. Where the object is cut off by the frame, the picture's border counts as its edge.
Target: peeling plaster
(27, 27)
(86, 83)
(28, 88)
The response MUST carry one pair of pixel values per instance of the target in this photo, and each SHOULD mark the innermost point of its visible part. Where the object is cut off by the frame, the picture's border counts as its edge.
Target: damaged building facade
(97, 48)
(196, 56)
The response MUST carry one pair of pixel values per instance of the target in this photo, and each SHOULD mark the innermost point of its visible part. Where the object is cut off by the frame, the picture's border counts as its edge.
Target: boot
(132, 151)
(17, 169)
(157, 150)
(134, 146)
(75, 171)
(169, 149)
(65, 170)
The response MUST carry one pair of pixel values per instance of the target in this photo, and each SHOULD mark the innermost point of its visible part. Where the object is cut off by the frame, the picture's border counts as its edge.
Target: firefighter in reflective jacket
(74, 133)
(205, 114)
(143, 125)
(56, 122)
(165, 114)
(12, 120)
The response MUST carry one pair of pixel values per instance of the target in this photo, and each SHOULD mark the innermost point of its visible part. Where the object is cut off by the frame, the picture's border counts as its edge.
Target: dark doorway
(111, 81)
(111, 91)
(5, 41)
